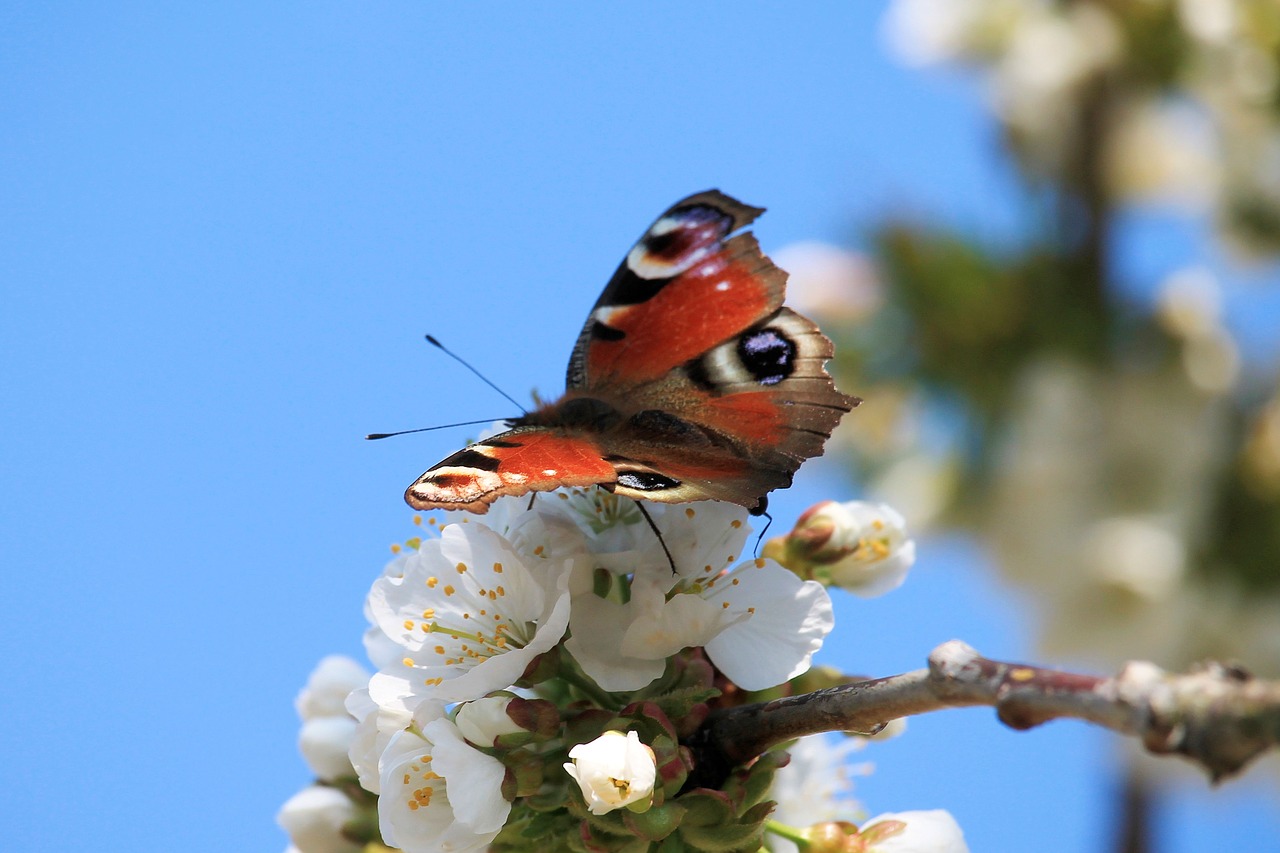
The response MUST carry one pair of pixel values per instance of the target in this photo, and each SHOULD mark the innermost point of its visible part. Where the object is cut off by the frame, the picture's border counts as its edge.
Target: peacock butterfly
(688, 382)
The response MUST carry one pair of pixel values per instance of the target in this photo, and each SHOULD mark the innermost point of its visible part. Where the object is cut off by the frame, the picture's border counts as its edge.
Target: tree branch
(1219, 717)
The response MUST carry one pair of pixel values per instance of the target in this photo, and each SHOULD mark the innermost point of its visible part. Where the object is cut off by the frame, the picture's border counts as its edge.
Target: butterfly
(690, 381)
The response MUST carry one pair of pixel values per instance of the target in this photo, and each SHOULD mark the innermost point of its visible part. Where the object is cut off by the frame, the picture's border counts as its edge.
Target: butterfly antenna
(658, 533)
(374, 436)
(435, 343)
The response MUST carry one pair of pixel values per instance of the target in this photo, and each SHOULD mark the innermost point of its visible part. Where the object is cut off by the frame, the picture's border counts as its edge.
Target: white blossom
(314, 818)
(376, 724)
(468, 616)
(759, 623)
(613, 771)
(438, 793)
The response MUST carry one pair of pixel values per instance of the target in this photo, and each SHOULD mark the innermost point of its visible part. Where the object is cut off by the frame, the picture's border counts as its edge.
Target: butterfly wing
(688, 382)
(524, 459)
(682, 289)
(726, 391)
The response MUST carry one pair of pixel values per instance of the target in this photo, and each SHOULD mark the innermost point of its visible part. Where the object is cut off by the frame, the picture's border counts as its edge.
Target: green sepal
(749, 787)
(656, 823)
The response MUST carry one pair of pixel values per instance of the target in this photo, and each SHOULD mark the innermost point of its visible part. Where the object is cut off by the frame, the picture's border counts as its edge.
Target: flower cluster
(1187, 90)
(541, 669)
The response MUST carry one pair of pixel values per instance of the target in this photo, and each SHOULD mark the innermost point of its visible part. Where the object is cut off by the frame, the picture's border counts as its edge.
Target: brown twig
(1219, 717)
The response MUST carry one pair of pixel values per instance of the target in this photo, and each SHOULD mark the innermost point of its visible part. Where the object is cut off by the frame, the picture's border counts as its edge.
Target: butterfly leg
(767, 525)
(657, 533)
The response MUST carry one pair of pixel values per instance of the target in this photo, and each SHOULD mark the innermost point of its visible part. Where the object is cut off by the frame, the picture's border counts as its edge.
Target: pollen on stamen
(433, 682)
(689, 513)
(501, 590)
(417, 519)
(483, 611)
(538, 551)
(493, 596)
(466, 615)
(432, 522)
(497, 568)
(432, 582)
(735, 524)
(429, 613)
(395, 548)
(736, 581)
(439, 650)
(759, 562)
(449, 590)
(724, 605)
(414, 542)
(707, 568)
(462, 568)
(408, 624)
(751, 610)
(408, 662)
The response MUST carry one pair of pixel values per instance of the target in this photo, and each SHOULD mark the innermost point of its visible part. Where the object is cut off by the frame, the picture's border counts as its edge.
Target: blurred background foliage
(1107, 441)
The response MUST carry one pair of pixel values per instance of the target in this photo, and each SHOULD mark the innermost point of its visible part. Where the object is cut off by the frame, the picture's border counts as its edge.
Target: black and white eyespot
(767, 354)
(678, 241)
(763, 355)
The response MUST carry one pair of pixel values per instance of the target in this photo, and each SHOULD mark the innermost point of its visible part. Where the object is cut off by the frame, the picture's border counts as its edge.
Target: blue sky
(226, 228)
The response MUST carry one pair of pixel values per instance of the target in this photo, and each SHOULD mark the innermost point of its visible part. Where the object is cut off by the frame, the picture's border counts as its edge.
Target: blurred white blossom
(314, 818)
(816, 785)
(325, 693)
(829, 282)
(933, 831)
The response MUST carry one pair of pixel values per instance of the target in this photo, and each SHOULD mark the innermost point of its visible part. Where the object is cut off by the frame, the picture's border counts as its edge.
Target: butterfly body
(688, 382)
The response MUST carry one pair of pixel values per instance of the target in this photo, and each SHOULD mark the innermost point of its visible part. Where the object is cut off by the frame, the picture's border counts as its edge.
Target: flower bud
(483, 721)
(327, 688)
(859, 546)
(314, 818)
(613, 771)
(325, 743)
(933, 831)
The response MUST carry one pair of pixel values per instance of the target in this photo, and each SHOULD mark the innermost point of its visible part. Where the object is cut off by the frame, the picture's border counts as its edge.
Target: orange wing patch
(512, 463)
(710, 302)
